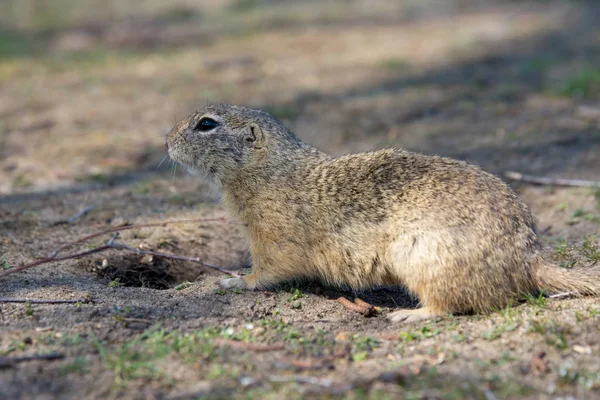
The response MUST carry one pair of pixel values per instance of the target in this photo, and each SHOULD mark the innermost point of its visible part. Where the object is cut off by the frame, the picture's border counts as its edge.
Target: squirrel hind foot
(410, 316)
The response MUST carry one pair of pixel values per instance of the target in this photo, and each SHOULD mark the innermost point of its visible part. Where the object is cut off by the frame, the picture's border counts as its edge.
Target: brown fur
(456, 236)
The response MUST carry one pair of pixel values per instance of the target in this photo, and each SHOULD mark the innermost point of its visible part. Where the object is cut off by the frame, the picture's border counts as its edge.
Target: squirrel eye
(206, 124)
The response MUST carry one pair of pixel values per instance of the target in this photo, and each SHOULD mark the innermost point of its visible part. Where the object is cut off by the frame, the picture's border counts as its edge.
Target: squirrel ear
(254, 136)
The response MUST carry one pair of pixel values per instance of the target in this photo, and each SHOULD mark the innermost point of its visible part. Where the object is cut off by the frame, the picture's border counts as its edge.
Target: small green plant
(116, 283)
(427, 332)
(583, 84)
(461, 337)
(28, 309)
(296, 295)
(5, 264)
(408, 336)
(183, 285)
(220, 292)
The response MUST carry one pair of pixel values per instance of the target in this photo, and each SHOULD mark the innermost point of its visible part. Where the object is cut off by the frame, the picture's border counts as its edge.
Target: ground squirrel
(454, 235)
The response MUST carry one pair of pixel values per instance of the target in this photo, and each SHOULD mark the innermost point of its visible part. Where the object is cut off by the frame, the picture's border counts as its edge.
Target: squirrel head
(222, 141)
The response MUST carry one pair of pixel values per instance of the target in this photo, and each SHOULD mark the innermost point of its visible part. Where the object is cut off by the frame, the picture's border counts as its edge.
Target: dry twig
(540, 180)
(86, 300)
(76, 216)
(110, 245)
(6, 362)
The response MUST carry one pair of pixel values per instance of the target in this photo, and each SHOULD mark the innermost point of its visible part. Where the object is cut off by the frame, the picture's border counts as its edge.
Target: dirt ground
(85, 101)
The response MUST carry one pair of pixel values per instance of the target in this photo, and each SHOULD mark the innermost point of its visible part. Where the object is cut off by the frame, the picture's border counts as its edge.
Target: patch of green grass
(568, 375)
(498, 330)
(576, 216)
(362, 346)
(538, 301)
(583, 84)
(128, 362)
(100, 178)
(4, 264)
(590, 249)
(509, 389)
(394, 64)
(62, 339)
(17, 345)
(460, 337)
(538, 64)
(139, 357)
(77, 365)
(581, 316)
(21, 181)
(553, 333)
(142, 188)
(505, 358)
(562, 249)
(563, 252)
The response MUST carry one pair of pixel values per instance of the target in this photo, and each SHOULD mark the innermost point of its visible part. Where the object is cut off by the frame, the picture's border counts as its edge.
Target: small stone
(147, 259)
(343, 337)
(582, 349)
(104, 263)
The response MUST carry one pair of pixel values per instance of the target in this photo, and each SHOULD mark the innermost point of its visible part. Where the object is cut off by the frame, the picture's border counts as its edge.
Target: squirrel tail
(577, 281)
